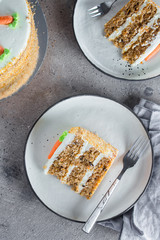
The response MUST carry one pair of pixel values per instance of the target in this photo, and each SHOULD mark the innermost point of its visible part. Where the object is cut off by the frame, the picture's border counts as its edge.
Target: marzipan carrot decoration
(6, 20)
(1, 50)
(152, 54)
(11, 21)
(57, 144)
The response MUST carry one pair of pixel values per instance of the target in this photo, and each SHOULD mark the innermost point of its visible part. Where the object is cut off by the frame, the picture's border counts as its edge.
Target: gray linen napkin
(142, 222)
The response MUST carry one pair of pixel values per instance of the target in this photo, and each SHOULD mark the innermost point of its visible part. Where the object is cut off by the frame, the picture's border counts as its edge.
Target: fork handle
(95, 214)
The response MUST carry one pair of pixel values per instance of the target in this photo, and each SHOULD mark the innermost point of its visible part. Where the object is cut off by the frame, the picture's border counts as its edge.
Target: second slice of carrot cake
(135, 29)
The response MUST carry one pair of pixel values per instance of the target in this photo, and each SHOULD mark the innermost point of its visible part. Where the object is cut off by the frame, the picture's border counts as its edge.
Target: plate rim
(118, 78)
(86, 95)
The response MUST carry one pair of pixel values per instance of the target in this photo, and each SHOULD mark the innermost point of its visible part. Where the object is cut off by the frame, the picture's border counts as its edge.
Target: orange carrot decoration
(152, 54)
(6, 20)
(1, 50)
(56, 145)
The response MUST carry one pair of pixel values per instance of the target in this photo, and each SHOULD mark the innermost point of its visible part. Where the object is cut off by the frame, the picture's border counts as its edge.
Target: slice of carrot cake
(80, 159)
(135, 29)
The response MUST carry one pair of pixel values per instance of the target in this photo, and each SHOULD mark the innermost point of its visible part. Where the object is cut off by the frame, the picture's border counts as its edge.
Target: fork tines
(95, 11)
(138, 148)
(93, 8)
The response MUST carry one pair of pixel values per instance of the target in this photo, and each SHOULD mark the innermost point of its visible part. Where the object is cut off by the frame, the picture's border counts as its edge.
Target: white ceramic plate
(111, 121)
(101, 52)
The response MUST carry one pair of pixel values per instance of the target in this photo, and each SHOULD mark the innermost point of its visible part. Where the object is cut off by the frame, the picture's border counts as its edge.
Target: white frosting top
(14, 39)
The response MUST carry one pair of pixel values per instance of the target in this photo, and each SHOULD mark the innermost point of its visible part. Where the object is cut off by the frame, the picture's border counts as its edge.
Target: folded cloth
(142, 222)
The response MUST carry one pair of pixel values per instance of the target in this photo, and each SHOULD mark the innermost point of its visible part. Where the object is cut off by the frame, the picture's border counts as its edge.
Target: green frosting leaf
(14, 24)
(62, 137)
(4, 54)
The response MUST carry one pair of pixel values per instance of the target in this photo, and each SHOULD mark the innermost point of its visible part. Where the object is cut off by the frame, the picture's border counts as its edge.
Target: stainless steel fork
(101, 9)
(129, 160)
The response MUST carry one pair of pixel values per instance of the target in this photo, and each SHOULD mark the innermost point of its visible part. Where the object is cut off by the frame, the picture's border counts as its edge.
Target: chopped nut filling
(143, 42)
(133, 28)
(120, 18)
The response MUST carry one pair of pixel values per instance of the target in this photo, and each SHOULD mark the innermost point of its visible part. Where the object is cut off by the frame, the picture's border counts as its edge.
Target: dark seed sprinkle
(91, 164)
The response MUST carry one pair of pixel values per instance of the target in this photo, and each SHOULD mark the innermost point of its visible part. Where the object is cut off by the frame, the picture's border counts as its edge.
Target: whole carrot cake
(135, 29)
(80, 159)
(18, 45)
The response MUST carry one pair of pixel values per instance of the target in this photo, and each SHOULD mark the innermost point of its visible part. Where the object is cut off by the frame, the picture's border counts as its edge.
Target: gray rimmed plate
(101, 52)
(114, 123)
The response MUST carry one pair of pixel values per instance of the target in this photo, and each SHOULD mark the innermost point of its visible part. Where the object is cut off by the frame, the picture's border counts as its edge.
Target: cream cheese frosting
(14, 39)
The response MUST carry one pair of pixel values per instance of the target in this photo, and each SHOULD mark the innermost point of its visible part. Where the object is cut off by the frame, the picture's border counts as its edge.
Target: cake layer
(95, 179)
(138, 35)
(142, 44)
(60, 166)
(94, 140)
(84, 163)
(79, 162)
(120, 18)
(142, 30)
(135, 26)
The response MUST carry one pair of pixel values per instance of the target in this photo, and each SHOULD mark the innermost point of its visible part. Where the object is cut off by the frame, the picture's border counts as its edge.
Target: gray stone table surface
(65, 72)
